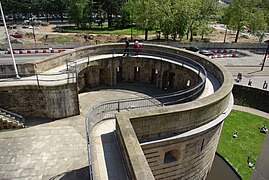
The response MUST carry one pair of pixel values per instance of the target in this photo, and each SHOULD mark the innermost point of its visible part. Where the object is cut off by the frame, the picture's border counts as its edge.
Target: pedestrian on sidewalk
(265, 85)
(239, 77)
(249, 82)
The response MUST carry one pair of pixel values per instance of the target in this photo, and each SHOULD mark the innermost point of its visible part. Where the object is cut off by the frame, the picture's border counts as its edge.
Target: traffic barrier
(223, 50)
(35, 51)
(223, 56)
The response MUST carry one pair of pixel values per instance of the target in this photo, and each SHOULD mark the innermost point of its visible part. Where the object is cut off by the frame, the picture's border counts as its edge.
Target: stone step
(9, 122)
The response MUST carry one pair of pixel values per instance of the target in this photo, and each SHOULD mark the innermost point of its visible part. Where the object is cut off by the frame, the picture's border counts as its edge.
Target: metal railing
(108, 109)
(40, 79)
(12, 115)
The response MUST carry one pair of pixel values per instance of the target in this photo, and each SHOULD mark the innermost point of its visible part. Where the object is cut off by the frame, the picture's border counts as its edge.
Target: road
(249, 65)
(6, 59)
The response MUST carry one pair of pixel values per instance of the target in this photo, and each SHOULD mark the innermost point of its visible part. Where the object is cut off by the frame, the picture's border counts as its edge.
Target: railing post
(118, 106)
(88, 60)
(76, 72)
(37, 80)
(67, 67)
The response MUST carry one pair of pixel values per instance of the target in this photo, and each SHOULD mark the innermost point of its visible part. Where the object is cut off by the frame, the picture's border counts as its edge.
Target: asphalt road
(6, 59)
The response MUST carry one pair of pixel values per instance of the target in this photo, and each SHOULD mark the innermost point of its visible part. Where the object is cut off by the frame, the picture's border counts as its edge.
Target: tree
(201, 13)
(144, 14)
(182, 17)
(246, 14)
(78, 11)
(166, 17)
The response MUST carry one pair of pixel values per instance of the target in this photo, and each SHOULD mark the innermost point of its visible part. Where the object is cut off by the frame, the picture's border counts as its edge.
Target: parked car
(16, 35)
(192, 48)
(206, 52)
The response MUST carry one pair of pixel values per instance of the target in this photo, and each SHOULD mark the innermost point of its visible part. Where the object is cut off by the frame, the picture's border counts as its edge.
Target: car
(206, 52)
(17, 35)
(193, 48)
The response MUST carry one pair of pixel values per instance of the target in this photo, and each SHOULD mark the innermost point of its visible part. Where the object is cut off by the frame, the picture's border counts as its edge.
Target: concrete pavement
(57, 150)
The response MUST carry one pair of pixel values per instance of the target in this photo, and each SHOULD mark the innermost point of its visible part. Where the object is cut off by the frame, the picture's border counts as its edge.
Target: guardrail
(108, 109)
(40, 79)
(68, 45)
(16, 117)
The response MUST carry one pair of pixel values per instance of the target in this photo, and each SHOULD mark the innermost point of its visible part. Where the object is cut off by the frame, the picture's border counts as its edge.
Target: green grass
(247, 144)
(103, 30)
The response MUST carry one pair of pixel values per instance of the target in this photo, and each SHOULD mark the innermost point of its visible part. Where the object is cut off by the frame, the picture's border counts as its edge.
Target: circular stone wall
(161, 74)
(187, 132)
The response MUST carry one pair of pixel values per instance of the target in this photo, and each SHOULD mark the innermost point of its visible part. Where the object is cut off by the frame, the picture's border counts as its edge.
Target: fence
(71, 45)
(39, 79)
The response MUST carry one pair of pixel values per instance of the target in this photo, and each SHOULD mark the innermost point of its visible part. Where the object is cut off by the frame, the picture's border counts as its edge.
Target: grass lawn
(103, 30)
(247, 144)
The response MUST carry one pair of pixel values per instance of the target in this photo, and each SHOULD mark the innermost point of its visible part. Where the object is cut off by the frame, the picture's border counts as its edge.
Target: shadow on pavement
(114, 163)
(77, 174)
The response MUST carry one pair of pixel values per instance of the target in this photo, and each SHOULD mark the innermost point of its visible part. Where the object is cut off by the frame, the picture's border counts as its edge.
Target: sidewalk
(252, 111)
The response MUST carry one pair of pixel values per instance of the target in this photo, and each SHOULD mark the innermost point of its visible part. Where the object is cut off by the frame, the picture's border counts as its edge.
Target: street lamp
(265, 56)
(10, 47)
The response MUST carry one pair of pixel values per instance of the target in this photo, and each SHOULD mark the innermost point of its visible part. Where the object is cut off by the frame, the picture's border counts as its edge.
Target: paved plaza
(57, 149)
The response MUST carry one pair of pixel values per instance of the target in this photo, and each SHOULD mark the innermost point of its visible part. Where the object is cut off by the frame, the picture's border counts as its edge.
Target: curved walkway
(252, 111)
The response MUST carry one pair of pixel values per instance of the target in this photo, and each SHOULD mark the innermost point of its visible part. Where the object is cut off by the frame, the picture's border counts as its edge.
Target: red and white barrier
(223, 51)
(35, 51)
(223, 55)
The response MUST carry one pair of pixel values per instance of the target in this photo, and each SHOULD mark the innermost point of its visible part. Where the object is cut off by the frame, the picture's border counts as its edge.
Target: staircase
(10, 120)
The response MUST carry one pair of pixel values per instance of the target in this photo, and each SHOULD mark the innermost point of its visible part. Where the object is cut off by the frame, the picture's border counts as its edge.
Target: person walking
(249, 82)
(265, 85)
(126, 49)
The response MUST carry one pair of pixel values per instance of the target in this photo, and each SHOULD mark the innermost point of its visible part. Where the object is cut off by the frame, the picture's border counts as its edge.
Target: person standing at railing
(126, 49)
(137, 46)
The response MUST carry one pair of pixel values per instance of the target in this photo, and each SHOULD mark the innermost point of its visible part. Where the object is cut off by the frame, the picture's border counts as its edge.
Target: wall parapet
(153, 123)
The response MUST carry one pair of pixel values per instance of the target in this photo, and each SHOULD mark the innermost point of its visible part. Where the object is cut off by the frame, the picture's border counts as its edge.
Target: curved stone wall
(170, 131)
(161, 74)
(187, 133)
(251, 97)
(50, 102)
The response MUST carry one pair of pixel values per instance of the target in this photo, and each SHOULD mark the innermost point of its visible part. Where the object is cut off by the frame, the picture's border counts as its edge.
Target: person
(249, 82)
(239, 77)
(235, 134)
(263, 129)
(251, 165)
(126, 49)
(265, 85)
(137, 46)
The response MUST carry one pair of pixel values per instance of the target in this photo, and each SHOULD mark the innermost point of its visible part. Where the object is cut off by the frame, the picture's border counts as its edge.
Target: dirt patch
(47, 34)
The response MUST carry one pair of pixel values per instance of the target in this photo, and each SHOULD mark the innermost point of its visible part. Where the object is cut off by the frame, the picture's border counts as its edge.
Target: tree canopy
(174, 18)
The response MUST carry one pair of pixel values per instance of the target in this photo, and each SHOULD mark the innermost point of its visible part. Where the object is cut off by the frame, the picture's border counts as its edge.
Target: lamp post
(32, 27)
(10, 47)
(267, 50)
